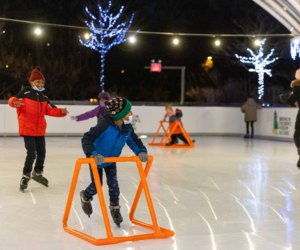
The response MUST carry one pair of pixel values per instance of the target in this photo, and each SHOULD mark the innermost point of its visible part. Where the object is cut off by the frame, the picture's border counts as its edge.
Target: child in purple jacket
(99, 111)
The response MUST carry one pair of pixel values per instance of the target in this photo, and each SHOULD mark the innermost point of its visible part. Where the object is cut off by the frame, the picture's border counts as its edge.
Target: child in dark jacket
(32, 106)
(107, 139)
(173, 116)
(293, 99)
(98, 112)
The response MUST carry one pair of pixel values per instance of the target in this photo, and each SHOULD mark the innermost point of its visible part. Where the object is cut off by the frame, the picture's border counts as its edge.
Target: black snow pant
(175, 137)
(36, 149)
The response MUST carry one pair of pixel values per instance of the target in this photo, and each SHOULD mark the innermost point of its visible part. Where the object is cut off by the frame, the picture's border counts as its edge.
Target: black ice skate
(38, 177)
(86, 204)
(24, 182)
(115, 213)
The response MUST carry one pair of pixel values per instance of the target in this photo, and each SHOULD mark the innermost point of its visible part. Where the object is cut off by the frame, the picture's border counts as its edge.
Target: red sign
(155, 67)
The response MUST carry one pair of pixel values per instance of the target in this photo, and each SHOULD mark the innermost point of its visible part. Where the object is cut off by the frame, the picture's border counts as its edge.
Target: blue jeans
(112, 182)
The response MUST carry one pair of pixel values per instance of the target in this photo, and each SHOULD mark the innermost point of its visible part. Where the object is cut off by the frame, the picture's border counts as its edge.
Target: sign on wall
(281, 124)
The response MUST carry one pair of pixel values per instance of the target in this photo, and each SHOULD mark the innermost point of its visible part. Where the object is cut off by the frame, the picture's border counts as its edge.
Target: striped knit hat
(118, 108)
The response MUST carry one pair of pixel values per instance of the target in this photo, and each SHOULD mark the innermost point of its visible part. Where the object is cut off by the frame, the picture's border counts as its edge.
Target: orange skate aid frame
(166, 137)
(158, 232)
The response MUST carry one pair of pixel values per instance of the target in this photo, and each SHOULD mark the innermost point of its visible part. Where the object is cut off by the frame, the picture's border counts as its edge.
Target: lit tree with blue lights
(259, 61)
(106, 31)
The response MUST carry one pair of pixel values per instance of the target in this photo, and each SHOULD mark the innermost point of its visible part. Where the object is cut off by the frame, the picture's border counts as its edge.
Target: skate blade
(37, 180)
(118, 224)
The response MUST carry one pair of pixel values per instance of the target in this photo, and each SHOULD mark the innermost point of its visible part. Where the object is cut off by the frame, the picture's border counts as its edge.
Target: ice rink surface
(226, 193)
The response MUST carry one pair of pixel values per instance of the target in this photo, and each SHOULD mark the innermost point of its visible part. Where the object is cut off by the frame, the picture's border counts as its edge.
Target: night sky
(72, 71)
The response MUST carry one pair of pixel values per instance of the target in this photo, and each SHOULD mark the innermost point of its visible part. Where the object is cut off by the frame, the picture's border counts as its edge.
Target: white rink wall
(196, 120)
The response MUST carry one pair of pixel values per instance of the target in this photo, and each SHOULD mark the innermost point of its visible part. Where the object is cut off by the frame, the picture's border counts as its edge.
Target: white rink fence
(272, 123)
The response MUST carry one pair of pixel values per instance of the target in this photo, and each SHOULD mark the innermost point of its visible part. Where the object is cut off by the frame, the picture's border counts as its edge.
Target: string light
(217, 42)
(154, 32)
(295, 41)
(86, 36)
(106, 31)
(175, 41)
(38, 31)
(257, 42)
(259, 61)
(132, 39)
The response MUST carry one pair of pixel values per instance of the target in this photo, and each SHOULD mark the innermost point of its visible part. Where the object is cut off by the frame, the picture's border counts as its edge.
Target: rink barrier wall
(272, 123)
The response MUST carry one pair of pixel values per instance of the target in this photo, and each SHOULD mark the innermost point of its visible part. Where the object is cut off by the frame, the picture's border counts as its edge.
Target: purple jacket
(98, 112)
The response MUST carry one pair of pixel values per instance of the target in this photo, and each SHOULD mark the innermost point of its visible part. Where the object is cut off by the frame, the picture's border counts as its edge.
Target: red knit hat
(36, 74)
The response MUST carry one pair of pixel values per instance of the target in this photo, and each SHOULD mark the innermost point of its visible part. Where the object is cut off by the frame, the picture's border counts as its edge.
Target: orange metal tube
(186, 135)
(101, 199)
(158, 232)
(140, 188)
(71, 192)
(164, 137)
(148, 197)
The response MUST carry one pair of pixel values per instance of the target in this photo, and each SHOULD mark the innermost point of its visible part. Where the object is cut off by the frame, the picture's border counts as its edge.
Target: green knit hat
(118, 108)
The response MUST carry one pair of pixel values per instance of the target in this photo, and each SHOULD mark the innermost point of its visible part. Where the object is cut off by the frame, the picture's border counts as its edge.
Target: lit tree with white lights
(106, 30)
(295, 47)
(259, 61)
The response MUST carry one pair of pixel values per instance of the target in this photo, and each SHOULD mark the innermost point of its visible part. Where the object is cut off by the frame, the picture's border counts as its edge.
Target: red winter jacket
(31, 115)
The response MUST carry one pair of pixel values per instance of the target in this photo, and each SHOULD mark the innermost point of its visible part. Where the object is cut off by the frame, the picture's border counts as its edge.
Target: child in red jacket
(32, 106)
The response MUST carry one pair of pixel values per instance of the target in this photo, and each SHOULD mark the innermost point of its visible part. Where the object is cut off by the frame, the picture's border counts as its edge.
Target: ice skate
(115, 213)
(38, 177)
(86, 204)
(24, 182)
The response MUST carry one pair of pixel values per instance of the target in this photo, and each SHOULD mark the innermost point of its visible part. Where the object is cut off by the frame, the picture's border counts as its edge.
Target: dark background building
(72, 71)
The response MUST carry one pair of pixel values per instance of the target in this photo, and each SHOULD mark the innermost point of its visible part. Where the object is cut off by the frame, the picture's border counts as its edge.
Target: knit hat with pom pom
(118, 108)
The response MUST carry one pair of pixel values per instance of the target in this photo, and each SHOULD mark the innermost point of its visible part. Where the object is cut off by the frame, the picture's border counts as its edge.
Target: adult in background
(249, 108)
